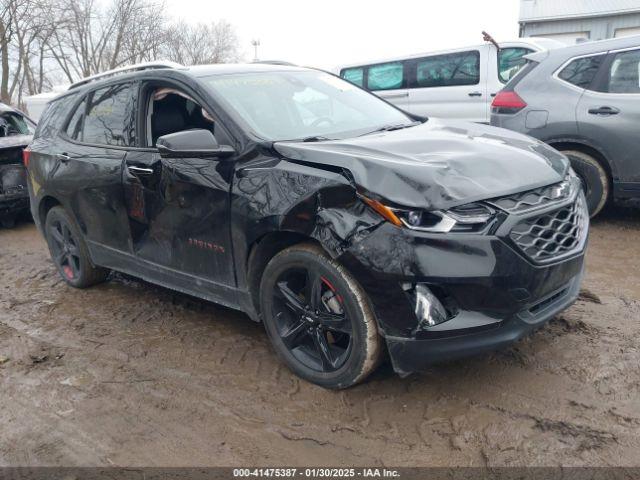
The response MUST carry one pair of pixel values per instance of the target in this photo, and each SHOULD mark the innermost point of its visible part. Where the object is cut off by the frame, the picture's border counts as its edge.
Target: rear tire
(318, 318)
(69, 251)
(594, 177)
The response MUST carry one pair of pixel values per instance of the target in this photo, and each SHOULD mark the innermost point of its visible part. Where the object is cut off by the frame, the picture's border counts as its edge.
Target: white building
(35, 104)
(574, 21)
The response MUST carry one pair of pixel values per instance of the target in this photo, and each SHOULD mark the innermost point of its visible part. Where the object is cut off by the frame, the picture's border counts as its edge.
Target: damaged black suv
(345, 225)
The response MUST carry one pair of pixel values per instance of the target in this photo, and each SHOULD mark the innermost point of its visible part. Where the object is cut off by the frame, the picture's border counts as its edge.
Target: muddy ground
(127, 373)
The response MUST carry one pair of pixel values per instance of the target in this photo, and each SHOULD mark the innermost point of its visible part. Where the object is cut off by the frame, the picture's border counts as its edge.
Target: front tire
(595, 180)
(69, 251)
(318, 318)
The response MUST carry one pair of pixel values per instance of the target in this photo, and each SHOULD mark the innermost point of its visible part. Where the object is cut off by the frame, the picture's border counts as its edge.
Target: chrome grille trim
(553, 234)
(537, 198)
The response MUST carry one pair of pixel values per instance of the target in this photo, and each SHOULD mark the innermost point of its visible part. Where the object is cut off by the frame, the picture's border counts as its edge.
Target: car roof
(196, 71)
(6, 108)
(587, 48)
(239, 68)
(539, 43)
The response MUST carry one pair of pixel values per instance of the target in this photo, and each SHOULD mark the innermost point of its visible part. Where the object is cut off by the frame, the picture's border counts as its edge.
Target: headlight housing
(471, 217)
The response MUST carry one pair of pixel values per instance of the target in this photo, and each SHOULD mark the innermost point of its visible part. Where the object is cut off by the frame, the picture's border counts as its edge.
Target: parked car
(341, 222)
(583, 100)
(458, 83)
(16, 131)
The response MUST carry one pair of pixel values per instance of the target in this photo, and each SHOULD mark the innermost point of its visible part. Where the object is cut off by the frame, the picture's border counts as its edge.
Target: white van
(458, 83)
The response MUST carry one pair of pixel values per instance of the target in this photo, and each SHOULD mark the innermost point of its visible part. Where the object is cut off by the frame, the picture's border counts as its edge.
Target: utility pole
(256, 44)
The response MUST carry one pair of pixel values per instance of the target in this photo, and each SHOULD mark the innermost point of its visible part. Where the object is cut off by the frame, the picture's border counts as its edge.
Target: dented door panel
(179, 213)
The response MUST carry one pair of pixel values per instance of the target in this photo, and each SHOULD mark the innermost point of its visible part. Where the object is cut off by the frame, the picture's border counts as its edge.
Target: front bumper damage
(494, 291)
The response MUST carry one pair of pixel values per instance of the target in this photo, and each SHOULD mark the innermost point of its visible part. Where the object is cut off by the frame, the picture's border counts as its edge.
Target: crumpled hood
(439, 164)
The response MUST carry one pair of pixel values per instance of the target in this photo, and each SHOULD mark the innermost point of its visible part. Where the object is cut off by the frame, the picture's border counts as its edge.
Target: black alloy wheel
(69, 252)
(64, 249)
(311, 320)
(318, 318)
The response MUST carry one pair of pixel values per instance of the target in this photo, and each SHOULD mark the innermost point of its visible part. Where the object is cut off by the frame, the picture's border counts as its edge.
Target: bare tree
(96, 39)
(202, 43)
(45, 39)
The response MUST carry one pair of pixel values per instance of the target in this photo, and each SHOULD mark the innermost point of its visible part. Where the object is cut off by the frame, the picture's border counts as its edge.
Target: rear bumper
(13, 205)
(457, 338)
(14, 195)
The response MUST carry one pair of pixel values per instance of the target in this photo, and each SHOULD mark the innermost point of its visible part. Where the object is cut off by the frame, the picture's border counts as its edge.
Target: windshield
(12, 123)
(302, 105)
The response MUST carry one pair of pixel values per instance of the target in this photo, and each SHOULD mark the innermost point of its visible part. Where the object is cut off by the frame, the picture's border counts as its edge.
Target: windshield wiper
(390, 128)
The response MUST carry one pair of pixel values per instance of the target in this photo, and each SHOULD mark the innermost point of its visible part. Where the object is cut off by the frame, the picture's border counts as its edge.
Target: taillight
(507, 102)
(26, 154)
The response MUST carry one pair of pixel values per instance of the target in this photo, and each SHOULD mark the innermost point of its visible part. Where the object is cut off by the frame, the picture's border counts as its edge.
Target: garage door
(570, 38)
(626, 32)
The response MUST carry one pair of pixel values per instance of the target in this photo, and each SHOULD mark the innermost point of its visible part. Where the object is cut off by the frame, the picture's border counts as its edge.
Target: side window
(170, 110)
(387, 76)
(354, 75)
(581, 71)
(511, 61)
(74, 127)
(624, 73)
(110, 118)
(448, 70)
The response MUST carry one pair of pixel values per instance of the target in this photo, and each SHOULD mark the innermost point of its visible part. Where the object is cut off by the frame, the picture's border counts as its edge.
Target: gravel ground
(129, 374)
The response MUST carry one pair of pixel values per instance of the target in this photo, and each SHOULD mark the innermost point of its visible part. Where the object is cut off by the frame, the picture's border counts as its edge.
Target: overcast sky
(327, 33)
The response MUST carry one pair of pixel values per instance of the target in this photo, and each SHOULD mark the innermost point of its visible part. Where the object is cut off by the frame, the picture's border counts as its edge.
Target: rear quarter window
(54, 115)
(581, 71)
(510, 62)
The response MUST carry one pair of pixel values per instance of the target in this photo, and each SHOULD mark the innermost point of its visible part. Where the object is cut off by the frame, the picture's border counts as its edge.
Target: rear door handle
(63, 157)
(475, 94)
(140, 170)
(604, 111)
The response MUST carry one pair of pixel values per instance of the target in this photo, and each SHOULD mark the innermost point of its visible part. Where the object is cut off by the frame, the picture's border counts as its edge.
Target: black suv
(342, 223)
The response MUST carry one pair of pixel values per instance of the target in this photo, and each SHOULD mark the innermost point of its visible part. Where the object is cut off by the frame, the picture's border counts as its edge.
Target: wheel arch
(46, 203)
(263, 250)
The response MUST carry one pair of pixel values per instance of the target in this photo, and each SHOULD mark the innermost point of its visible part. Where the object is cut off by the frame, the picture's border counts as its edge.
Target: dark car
(16, 131)
(343, 224)
(583, 100)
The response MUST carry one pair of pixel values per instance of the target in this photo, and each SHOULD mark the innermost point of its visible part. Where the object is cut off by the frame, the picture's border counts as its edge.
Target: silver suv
(583, 100)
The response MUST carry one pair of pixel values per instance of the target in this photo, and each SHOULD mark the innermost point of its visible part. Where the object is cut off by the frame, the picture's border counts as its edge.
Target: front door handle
(475, 94)
(604, 111)
(63, 157)
(140, 170)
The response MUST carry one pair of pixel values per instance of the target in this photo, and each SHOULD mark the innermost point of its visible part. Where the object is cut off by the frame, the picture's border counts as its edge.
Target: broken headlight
(471, 217)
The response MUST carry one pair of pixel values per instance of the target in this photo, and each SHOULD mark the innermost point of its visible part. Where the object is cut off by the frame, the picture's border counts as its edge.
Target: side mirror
(198, 143)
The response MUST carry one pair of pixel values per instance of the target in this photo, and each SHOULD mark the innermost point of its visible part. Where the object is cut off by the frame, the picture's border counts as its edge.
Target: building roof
(540, 10)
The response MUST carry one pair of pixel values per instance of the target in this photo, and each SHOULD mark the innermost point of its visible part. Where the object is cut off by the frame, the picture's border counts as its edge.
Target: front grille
(532, 199)
(553, 234)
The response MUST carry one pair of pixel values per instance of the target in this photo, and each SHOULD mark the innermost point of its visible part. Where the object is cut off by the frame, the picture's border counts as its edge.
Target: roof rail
(130, 68)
